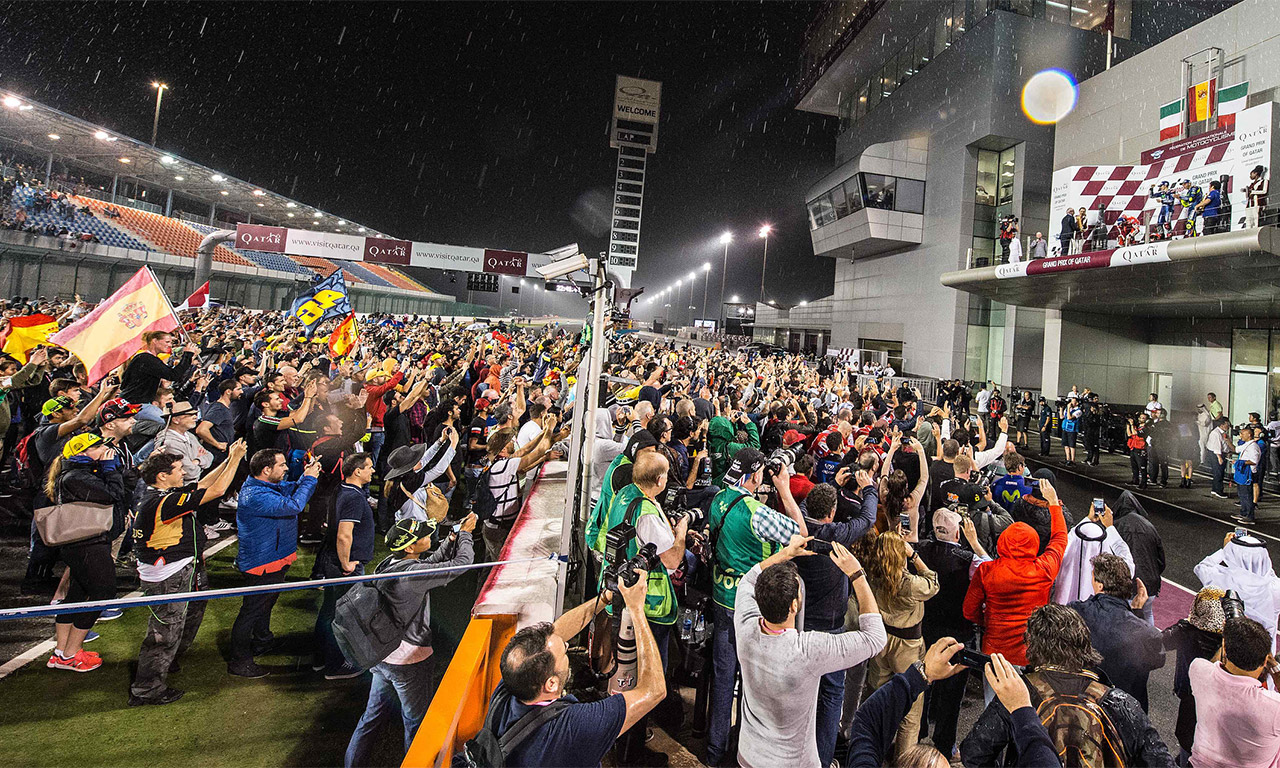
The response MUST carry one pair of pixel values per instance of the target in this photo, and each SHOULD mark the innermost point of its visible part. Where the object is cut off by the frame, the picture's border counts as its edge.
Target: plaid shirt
(773, 526)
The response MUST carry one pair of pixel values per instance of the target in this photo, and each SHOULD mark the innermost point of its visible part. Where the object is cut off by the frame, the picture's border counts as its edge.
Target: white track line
(1172, 583)
(47, 646)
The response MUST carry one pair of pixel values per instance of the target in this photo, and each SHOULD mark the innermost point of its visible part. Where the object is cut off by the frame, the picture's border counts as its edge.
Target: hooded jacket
(1003, 593)
(1130, 647)
(1143, 539)
(722, 443)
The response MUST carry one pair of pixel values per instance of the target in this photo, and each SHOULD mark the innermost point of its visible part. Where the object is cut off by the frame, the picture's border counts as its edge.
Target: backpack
(489, 750)
(22, 454)
(1083, 734)
(483, 502)
(365, 627)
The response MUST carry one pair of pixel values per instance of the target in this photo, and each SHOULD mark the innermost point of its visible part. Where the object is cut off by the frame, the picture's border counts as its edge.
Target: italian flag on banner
(1230, 101)
(1200, 99)
(1171, 120)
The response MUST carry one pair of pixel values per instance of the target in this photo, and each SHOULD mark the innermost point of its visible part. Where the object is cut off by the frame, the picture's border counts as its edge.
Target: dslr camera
(625, 570)
(781, 457)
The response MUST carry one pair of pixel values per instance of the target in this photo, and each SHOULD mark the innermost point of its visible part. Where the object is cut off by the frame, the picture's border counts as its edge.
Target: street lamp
(155, 123)
(764, 235)
(679, 283)
(706, 276)
(725, 239)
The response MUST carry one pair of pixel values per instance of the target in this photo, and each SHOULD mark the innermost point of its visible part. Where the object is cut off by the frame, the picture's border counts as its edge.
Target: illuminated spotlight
(168, 160)
(179, 178)
(290, 215)
(726, 238)
(258, 192)
(1049, 96)
(125, 160)
(217, 177)
(361, 229)
(224, 192)
(101, 135)
(54, 136)
(341, 222)
(317, 215)
(734, 298)
(12, 102)
(706, 266)
(262, 205)
(765, 230)
(290, 205)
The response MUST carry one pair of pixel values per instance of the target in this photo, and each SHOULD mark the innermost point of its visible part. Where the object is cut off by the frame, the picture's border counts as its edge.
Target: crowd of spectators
(829, 552)
(63, 208)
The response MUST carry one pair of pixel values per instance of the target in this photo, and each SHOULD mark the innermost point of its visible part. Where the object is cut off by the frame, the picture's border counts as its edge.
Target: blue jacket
(267, 521)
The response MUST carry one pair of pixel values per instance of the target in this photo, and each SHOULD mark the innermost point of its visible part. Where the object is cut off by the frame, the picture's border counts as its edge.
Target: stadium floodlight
(726, 238)
(361, 229)
(803, 303)
(317, 215)
(12, 102)
(125, 160)
(706, 266)
(224, 192)
(99, 135)
(765, 230)
(679, 283)
(290, 205)
(290, 215)
(168, 160)
(258, 193)
(733, 299)
(262, 205)
(179, 178)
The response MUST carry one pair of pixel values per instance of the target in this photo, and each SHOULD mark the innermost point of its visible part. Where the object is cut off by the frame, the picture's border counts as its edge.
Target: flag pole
(181, 331)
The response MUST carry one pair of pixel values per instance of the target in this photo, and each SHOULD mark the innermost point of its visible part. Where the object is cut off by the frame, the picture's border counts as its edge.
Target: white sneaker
(222, 525)
(209, 533)
(231, 502)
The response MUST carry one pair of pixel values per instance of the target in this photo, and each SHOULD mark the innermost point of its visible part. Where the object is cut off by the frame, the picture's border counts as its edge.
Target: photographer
(535, 673)
(1244, 567)
(782, 667)
(1237, 720)
(743, 532)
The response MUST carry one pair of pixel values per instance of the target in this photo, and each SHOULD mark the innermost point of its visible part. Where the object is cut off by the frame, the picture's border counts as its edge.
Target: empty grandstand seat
(166, 234)
(79, 222)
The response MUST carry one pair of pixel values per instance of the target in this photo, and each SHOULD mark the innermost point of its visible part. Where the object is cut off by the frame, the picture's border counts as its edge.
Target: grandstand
(101, 170)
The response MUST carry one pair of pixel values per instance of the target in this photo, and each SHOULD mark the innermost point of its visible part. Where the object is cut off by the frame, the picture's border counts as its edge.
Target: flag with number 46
(326, 298)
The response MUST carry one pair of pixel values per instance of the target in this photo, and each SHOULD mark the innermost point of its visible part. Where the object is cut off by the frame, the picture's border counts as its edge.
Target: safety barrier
(458, 709)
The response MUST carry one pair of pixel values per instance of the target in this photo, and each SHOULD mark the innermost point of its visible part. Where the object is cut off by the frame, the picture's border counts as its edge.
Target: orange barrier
(458, 709)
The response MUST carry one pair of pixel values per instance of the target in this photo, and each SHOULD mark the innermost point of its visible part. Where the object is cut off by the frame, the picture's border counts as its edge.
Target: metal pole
(155, 123)
(723, 269)
(763, 265)
(115, 181)
(168, 204)
(213, 210)
(48, 170)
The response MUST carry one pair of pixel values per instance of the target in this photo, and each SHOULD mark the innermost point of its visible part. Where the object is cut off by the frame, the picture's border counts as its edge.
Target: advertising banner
(382, 251)
(504, 262)
(437, 256)
(1225, 155)
(254, 237)
(325, 245)
(1147, 253)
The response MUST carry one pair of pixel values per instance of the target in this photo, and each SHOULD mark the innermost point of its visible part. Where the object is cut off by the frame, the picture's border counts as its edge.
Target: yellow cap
(79, 444)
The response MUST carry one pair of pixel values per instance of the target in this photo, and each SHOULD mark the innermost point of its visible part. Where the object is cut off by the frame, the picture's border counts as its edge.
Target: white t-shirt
(983, 398)
(655, 530)
(1153, 408)
(528, 433)
(1251, 452)
(161, 570)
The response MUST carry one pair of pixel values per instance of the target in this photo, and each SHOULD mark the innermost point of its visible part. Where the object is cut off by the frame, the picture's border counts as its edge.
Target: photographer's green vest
(601, 518)
(737, 547)
(660, 595)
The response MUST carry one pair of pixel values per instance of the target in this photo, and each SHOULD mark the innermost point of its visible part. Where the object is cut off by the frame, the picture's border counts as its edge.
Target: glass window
(838, 202)
(1058, 11)
(906, 63)
(821, 212)
(942, 30)
(853, 193)
(1007, 168)
(878, 190)
(988, 162)
(1248, 393)
(1088, 14)
(875, 92)
(889, 77)
(910, 196)
(1249, 350)
(860, 106)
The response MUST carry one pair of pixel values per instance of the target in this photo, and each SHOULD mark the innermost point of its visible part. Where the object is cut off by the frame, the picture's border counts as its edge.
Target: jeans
(171, 629)
(374, 447)
(1245, 492)
(855, 678)
(1157, 466)
(402, 690)
(724, 661)
(944, 699)
(1138, 466)
(830, 701)
(326, 644)
(1219, 470)
(253, 623)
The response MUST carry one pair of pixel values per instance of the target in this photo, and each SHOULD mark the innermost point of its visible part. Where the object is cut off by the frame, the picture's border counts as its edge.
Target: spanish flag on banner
(25, 333)
(344, 338)
(1200, 100)
(111, 333)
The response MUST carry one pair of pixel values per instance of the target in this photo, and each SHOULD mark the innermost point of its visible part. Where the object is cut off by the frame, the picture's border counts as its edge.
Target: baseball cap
(79, 444)
(408, 531)
(746, 462)
(374, 373)
(792, 437)
(969, 495)
(117, 408)
(482, 404)
(55, 404)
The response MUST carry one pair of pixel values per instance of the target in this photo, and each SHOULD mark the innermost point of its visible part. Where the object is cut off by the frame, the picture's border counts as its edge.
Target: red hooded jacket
(1004, 592)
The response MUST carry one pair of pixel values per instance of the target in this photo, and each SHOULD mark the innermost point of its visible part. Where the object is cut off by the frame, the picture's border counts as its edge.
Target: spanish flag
(1200, 99)
(344, 338)
(106, 337)
(25, 333)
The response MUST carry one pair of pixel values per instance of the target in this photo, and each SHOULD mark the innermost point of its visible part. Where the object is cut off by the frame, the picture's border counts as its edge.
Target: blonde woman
(901, 583)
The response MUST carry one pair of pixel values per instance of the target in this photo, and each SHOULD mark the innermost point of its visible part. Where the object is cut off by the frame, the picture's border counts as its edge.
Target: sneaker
(89, 638)
(209, 533)
(81, 662)
(345, 671)
(111, 614)
(1217, 495)
(246, 669)
(222, 525)
(231, 502)
(1245, 520)
(168, 696)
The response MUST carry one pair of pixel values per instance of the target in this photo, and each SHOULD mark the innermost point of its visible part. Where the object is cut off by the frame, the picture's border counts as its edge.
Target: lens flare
(1049, 96)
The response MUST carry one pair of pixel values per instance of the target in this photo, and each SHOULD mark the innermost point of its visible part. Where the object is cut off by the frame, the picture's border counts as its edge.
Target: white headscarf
(604, 450)
(1244, 566)
(1085, 542)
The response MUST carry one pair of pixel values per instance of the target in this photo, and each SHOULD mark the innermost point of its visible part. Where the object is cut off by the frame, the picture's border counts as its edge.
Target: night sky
(476, 123)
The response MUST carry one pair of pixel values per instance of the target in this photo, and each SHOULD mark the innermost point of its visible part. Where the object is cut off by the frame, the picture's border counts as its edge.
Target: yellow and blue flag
(327, 298)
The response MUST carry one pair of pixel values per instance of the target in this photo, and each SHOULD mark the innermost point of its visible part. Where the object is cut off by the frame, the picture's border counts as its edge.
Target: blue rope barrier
(142, 601)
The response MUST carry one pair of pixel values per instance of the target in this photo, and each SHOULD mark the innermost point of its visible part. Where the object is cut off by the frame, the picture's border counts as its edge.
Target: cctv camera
(562, 267)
